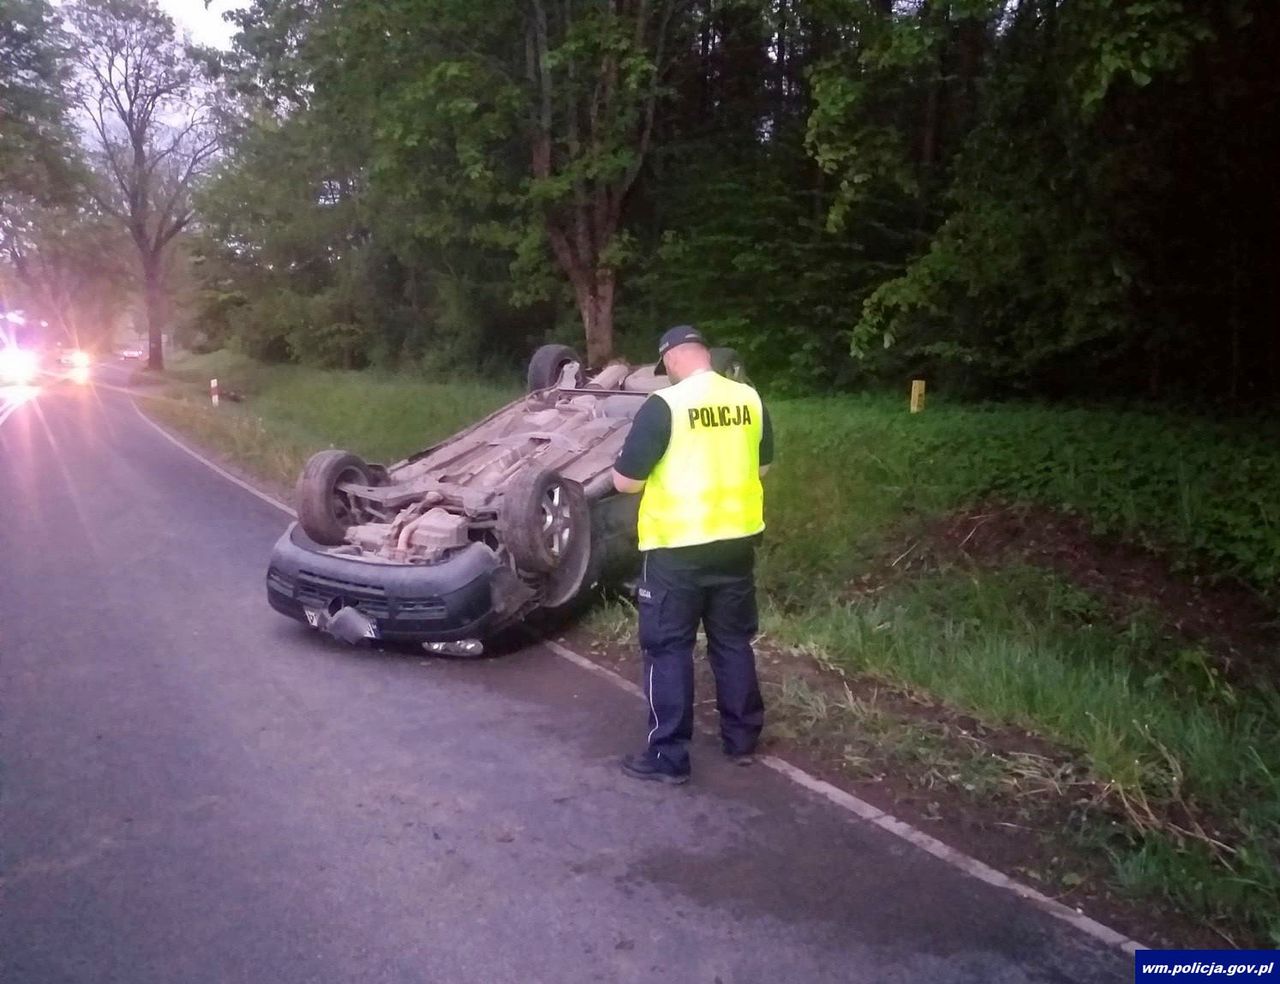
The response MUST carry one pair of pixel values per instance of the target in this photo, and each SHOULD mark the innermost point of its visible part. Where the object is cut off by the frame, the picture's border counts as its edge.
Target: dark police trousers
(672, 601)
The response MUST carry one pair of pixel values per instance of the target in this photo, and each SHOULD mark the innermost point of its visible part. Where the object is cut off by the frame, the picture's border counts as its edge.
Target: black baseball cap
(678, 335)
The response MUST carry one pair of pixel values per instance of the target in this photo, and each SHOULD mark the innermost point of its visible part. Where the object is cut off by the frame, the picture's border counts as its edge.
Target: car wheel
(573, 572)
(545, 523)
(547, 364)
(728, 363)
(324, 510)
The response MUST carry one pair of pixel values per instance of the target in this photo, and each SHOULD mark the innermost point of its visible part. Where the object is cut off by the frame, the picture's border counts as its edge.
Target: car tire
(728, 363)
(564, 584)
(545, 523)
(547, 364)
(323, 510)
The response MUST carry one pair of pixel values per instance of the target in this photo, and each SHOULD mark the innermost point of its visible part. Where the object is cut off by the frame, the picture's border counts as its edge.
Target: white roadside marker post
(213, 391)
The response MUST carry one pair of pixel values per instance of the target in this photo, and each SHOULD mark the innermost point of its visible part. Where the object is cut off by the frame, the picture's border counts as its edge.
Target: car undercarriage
(516, 513)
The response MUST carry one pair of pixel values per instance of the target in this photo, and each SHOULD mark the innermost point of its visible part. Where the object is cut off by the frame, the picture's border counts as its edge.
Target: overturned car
(513, 515)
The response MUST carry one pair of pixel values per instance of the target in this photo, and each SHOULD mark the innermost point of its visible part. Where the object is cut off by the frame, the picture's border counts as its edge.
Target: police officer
(696, 451)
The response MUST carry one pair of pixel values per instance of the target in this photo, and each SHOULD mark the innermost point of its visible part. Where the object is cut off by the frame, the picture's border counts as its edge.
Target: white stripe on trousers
(644, 580)
(652, 710)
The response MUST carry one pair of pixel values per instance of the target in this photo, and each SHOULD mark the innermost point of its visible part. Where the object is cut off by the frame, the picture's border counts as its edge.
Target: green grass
(1157, 729)
(1151, 719)
(288, 413)
(1158, 738)
(1152, 722)
(850, 467)
(382, 417)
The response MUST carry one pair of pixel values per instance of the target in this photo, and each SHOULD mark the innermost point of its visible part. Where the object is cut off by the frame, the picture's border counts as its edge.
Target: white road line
(833, 794)
(957, 859)
(268, 499)
(891, 824)
(589, 665)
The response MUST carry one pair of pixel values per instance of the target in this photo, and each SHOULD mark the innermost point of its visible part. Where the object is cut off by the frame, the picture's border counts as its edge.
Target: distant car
(74, 358)
(514, 514)
(131, 353)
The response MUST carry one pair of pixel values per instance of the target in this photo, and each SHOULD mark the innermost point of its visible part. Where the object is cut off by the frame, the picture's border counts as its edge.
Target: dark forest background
(1063, 199)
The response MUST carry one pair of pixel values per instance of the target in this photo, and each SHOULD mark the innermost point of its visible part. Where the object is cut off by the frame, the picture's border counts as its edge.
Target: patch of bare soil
(1228, 619)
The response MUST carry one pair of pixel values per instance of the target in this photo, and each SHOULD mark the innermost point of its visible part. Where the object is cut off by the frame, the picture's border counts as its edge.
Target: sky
(205, 25)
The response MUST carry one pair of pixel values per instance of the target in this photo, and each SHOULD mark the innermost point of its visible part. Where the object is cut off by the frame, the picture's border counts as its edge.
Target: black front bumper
(415, 603)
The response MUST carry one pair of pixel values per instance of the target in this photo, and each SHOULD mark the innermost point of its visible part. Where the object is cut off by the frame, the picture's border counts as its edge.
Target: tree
(1033, 196)
(150, 120)
(37, 152)
(1086, 184)
(317, 242)
(729, 223)
(67, 263)
(517, 127)
(595, 74)
(39, 166)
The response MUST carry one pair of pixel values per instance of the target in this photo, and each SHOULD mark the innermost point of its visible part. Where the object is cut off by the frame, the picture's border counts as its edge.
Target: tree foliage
(995, 194)
(501, 133)
(69, 267)
(51, 243)
(37, 155)
(1056, 199)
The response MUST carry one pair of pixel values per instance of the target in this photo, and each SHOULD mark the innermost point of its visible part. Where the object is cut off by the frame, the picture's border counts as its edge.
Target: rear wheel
(547, 364)
(727, 362)
(324, 510)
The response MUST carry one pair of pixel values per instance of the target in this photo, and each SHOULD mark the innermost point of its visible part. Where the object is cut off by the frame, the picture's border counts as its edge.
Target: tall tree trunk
(1273, 316)
(153, 290)
(598, 122)
(928, 150)
(929, 130)
(594, 292)
(972, 36)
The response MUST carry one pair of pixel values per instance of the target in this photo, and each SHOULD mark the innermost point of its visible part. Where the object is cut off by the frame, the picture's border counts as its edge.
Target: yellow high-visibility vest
(707, 486)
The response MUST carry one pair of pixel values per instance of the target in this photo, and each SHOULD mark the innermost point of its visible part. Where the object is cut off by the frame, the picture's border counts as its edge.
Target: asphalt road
(196, 789)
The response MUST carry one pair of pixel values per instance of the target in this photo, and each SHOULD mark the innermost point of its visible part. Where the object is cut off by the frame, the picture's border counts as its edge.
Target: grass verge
(1096, 740)
(1160, 763)
(286, 413)
(1188, 762)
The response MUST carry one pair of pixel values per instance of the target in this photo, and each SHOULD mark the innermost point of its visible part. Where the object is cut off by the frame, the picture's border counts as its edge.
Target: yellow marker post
(917, 395)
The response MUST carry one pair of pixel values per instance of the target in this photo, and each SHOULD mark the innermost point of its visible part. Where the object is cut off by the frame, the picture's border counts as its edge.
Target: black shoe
(746, 758)
(647, 766)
